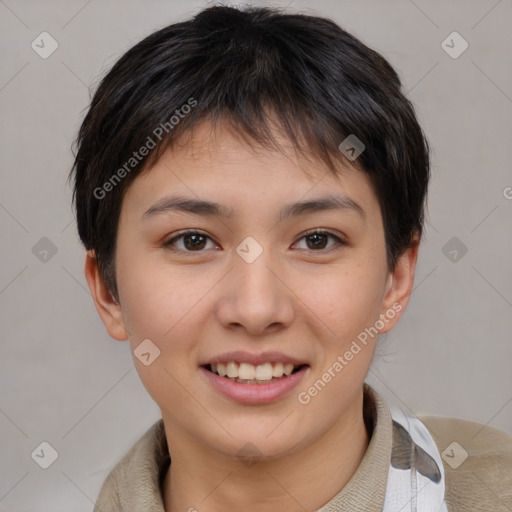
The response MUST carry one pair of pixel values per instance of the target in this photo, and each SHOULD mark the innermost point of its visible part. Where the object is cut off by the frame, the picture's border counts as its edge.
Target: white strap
(416, 480)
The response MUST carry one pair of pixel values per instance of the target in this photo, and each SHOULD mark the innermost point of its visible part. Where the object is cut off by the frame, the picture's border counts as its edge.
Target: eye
(195, 241)
(318, 238)
(192, 240)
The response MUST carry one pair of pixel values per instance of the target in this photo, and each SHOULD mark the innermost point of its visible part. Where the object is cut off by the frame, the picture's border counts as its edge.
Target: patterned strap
(416, 481)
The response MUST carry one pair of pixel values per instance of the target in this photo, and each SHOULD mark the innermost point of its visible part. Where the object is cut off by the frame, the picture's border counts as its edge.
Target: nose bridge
(258, 298)
(252, 268)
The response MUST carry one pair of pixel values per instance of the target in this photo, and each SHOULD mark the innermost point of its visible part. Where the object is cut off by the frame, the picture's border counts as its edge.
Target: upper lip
(254, 359)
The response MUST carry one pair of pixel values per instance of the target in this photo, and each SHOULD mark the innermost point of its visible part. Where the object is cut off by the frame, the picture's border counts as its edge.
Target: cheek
(158, 307)
(350, 301)
(164, 304)
(147, 300)
(157, 304)
(349, 306)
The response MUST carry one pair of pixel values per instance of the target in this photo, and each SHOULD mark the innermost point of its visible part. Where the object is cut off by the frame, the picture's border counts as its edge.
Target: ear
(399, 287)
(109, 310)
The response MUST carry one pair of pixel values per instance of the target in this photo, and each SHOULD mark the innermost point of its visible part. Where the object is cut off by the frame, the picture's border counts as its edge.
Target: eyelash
(339, 241)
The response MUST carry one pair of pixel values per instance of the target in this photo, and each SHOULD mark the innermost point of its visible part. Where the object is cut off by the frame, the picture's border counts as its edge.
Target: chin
(268, 440)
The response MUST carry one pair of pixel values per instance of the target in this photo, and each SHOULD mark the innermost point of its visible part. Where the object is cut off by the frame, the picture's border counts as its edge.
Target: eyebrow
(208, 208)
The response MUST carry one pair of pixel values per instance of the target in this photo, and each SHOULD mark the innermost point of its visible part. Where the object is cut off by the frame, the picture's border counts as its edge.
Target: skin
(304, 301)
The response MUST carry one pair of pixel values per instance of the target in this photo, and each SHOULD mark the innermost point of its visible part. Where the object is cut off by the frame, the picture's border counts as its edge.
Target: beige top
(483, 482)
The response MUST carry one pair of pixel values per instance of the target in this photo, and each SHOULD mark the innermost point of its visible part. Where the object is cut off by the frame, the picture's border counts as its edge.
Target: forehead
(216, 162)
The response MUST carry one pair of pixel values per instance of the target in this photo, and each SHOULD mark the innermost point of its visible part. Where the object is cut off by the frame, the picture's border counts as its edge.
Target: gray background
(64, 381)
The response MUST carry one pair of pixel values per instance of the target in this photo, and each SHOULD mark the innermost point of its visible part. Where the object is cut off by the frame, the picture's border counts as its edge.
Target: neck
(206, 481)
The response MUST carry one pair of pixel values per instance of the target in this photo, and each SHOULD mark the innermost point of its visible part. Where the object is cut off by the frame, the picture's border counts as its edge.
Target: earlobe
(107, 307)
(399, 287)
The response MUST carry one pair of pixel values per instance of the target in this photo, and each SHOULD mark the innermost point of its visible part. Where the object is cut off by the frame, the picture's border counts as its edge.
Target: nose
(256, 296)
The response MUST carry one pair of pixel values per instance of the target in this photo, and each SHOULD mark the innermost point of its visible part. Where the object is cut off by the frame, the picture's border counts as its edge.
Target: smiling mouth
(245, 373)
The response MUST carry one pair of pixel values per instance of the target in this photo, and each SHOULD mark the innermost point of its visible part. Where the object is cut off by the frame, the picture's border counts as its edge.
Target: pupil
(315, 236)
(194, 244)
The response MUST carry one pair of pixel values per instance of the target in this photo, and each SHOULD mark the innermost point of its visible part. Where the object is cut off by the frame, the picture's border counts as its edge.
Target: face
(252, 285)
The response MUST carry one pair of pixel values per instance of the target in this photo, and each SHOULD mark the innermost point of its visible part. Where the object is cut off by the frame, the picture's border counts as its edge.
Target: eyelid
(335, 234)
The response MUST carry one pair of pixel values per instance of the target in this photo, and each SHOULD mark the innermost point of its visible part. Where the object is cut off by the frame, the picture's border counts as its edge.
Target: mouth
(246, 373)
(254, 379)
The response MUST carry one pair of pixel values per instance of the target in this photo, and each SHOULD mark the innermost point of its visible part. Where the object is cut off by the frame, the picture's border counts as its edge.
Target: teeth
(288, 368)
(232, 369)
(277, 370)
(264, 372)
(248, 372)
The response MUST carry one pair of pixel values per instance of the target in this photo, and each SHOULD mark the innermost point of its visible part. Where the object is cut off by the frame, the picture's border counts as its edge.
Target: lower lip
(255, 393)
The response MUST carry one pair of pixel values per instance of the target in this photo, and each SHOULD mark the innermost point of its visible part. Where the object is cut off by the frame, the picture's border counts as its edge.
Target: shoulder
(134, 482)
(477, 461)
